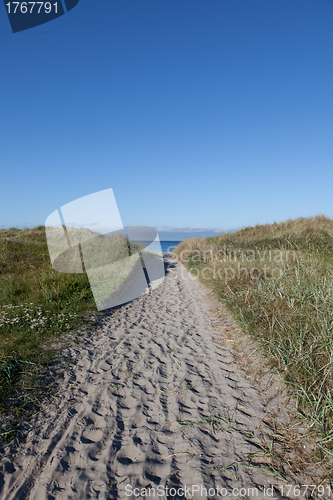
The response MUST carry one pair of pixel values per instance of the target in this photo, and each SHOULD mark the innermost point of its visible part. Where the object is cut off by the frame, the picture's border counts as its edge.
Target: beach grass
(38, 303)
(277, 282)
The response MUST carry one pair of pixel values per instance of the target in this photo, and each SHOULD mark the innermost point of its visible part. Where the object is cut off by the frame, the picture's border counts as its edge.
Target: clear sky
(198, 113)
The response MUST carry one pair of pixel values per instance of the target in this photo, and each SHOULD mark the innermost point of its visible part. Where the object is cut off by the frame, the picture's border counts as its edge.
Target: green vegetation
(38, 303)
(277, 281)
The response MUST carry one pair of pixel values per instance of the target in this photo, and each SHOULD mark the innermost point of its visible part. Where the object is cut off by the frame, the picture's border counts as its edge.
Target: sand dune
(153, 397)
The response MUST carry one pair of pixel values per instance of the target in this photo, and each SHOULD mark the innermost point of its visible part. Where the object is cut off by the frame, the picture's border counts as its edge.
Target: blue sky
(198, 113)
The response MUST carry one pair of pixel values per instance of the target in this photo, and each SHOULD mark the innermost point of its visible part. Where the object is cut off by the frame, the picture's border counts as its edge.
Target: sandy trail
(150, 398)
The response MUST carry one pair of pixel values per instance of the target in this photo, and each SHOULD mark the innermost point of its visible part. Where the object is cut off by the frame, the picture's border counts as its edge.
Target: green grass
(277, 281)
(11, 367)
(38, 303)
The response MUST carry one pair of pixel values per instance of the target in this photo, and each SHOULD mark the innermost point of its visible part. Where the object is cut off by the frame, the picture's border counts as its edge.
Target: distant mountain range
(167, 233)
(182, 233)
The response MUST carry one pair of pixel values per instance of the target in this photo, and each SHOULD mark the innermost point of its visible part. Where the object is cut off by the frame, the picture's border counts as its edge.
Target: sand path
(151, 398)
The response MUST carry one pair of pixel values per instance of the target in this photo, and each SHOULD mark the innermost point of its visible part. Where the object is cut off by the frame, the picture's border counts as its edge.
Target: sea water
(168, 246)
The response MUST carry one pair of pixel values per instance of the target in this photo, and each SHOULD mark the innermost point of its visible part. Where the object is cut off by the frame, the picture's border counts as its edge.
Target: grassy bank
(277, 281)
(38, 303)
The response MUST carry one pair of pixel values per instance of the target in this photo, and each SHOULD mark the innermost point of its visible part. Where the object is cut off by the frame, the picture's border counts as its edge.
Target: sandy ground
(152, 397)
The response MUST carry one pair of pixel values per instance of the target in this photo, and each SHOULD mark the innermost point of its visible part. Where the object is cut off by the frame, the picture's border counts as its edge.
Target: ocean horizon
(169, 246)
